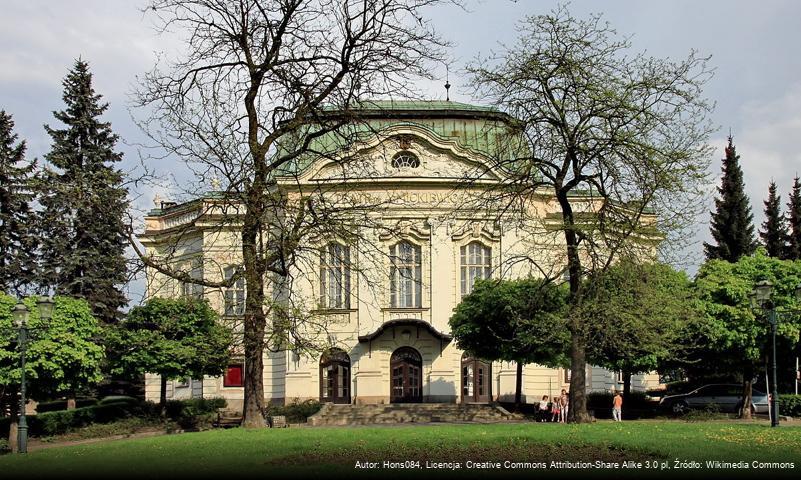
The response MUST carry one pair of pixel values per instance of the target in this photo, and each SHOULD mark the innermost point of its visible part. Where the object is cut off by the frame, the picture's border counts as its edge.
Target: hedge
(790, 405)
(55, 405)
(190, 414)
(295, 412)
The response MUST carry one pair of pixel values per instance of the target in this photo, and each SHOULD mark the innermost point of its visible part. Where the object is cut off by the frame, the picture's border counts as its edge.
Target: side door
(699, 398)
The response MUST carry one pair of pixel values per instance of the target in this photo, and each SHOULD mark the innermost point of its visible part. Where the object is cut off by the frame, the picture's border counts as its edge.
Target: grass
(327, 452)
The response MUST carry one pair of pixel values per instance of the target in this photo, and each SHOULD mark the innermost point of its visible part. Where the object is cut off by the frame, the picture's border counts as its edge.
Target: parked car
(726, 397)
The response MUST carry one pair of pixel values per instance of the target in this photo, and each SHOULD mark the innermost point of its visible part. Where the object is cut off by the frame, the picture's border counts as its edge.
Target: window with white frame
(406, 276)
(476, 261)
(405, 160)
(335, 276)
(234, 296)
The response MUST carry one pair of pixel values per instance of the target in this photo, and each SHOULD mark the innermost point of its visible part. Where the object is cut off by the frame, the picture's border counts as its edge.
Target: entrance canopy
(410, 322)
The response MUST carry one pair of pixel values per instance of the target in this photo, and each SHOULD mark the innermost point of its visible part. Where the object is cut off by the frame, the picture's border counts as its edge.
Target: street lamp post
(20, 316)
(761, 294)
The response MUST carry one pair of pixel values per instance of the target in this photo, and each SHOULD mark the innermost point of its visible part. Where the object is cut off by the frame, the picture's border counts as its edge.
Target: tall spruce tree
(17, 244)
(732, 222)
(774, 229)
(83, 200)
(794, 221)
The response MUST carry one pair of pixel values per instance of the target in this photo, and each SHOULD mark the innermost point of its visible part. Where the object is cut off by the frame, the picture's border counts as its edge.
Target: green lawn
(325, 452)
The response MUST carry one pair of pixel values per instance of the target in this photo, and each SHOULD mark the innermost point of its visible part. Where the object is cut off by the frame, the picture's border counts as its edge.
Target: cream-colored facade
(386, 299)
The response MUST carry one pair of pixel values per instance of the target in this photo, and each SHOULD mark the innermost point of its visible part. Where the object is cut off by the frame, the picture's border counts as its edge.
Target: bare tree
(617, 141)
(261, 88)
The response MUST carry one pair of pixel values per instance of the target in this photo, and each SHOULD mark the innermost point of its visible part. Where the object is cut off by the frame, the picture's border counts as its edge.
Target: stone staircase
(332, 414)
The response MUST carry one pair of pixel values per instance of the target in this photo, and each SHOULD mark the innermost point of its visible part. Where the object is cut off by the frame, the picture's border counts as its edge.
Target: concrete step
(332, 414)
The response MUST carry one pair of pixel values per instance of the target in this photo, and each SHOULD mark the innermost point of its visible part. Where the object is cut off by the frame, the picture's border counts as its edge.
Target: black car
(726, 397)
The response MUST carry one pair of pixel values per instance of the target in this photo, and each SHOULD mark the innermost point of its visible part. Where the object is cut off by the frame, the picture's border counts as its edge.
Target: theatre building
(387, 315)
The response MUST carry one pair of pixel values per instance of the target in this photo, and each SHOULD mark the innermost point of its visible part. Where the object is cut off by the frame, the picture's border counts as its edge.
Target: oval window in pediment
(404, 159)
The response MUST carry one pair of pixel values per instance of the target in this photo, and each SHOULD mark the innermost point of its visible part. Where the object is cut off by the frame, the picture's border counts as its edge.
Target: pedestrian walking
(617, 407)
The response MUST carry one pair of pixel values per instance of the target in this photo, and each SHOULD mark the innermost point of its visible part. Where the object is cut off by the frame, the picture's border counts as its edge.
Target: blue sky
(754, 48)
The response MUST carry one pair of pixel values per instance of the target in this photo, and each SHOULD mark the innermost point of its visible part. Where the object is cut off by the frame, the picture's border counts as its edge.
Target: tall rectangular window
(234, 296)
(191, 290)
(476, 263)
(335, 276)
(406, 276)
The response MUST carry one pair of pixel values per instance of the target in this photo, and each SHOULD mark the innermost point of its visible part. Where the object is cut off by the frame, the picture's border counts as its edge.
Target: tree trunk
(71, 403)
(163, 396)
(255, 321)
(577, 412)
(13, 431)
(748, 377)
(519, 386)
(626, 383)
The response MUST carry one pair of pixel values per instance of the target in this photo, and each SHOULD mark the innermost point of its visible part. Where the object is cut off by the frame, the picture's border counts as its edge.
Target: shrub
(790, 405)
(195, 406)
(196, 413)
(295, 412)
(63, 421)
(4, 448)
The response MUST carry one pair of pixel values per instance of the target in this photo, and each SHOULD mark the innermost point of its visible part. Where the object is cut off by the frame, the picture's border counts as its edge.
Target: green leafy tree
(63, 353)
(174, 338)
(17, 241)
(513, 320)
(638, 316)
(82, 231)
(732, 222)
(794, 221)
(617, 139)
(735, 333)
(774, 233)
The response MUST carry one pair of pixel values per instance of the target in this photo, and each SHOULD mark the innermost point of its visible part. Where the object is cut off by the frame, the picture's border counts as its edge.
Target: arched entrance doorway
(406, 366)
(335, 377)
(476, 380)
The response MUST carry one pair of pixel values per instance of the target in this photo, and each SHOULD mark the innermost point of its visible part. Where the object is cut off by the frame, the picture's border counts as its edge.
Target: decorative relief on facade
(476, 230)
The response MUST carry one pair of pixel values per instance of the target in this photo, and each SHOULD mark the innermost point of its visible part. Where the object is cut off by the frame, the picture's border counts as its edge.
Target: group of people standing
(555, 410)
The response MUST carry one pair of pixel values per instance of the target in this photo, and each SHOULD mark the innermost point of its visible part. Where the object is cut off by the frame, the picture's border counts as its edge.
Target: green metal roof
(481, 129)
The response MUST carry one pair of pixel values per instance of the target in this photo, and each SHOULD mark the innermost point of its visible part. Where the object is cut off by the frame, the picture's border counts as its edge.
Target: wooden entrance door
(335, 377)
(476, 380)
(406, 366)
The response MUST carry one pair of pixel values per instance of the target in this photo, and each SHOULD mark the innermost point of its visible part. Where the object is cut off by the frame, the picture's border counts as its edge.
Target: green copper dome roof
(481, 129)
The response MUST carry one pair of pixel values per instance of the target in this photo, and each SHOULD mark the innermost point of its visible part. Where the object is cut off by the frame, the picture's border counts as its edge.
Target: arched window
(234, 296)
(405, 159)
(406, 276)
(406, 366)
(335, 376)
(335, 276)
(476, 261)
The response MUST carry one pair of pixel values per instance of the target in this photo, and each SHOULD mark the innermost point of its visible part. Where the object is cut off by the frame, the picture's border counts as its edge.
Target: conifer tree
(774, 229)
(794, 221)
(732, 222)
(83, 200)
(17, 245)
